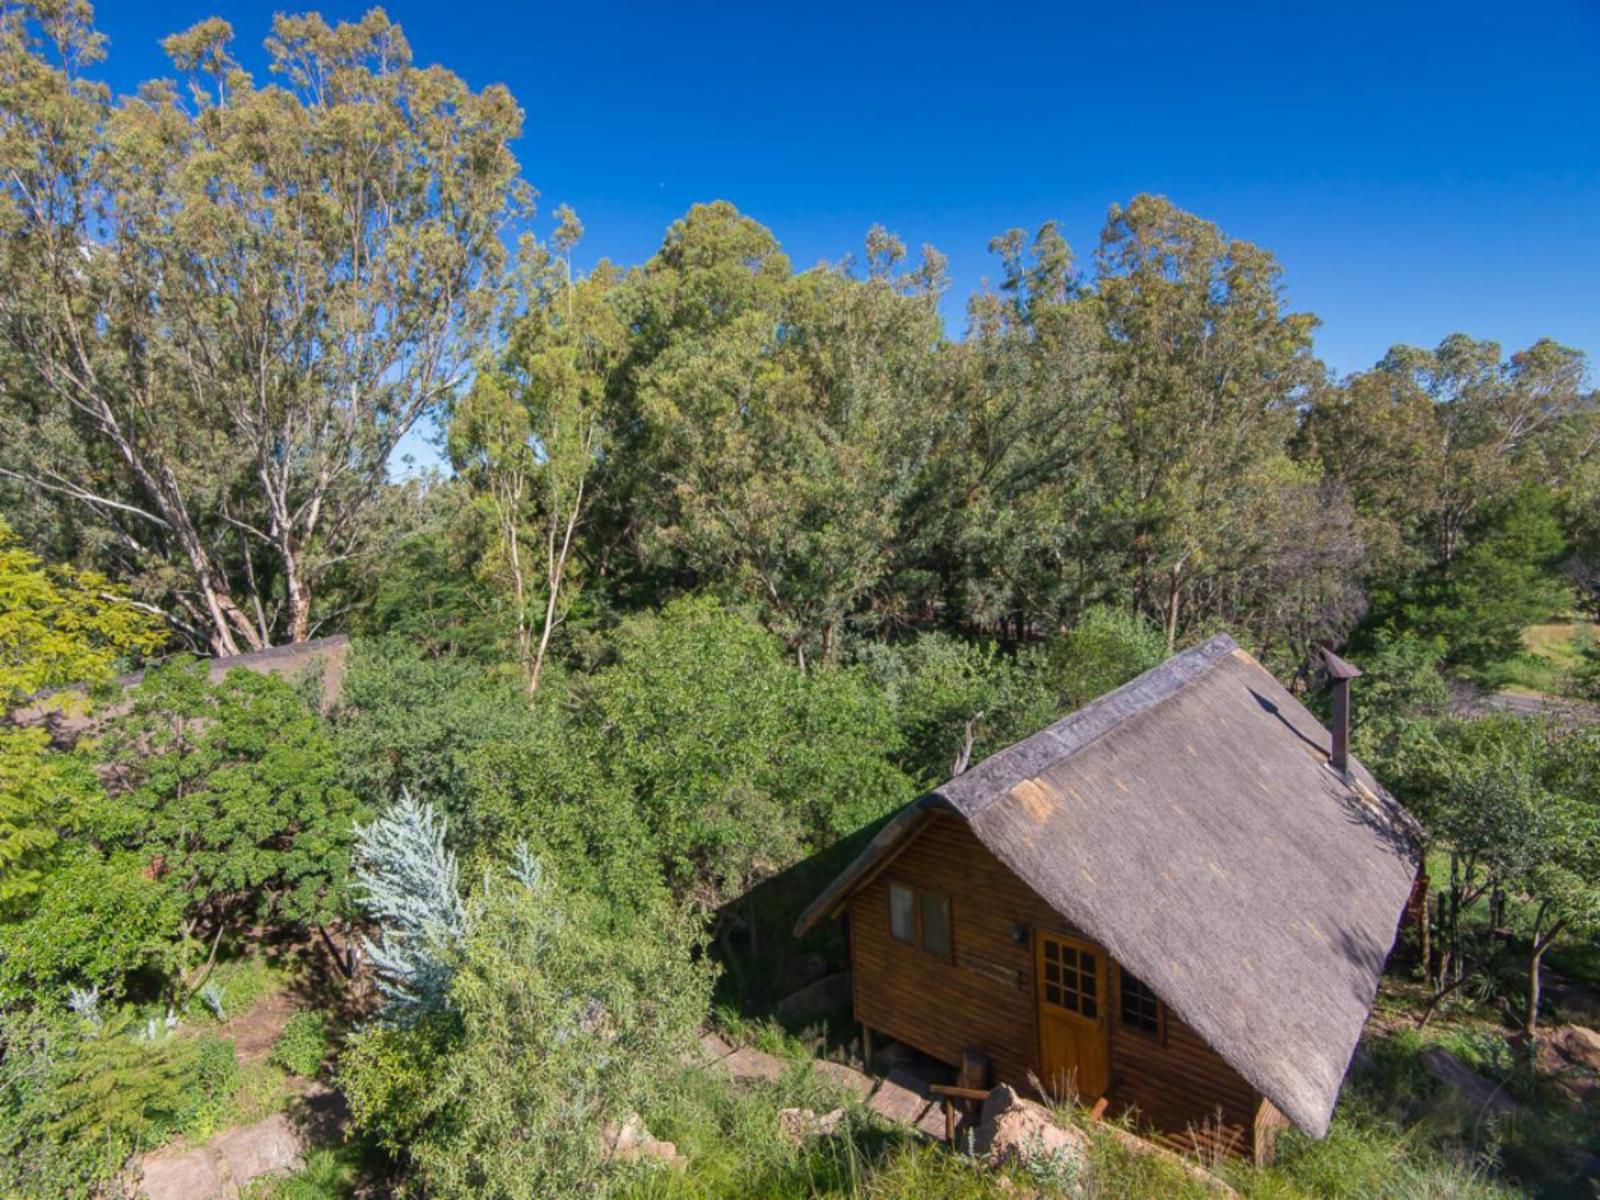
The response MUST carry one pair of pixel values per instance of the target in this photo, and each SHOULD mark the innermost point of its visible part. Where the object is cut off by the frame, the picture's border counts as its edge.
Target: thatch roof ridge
(974, 790)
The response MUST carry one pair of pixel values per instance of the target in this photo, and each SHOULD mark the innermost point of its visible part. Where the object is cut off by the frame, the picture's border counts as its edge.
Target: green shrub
(302, 1045)
(214, 1077)
(77, 1099)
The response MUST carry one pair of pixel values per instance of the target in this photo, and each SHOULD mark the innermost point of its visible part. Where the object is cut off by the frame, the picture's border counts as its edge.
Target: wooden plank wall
(984, 1000)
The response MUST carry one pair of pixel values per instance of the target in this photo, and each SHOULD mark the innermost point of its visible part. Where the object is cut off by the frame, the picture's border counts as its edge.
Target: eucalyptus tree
(528, 438)
(1205, 369)
(227, 302)
(770, 423)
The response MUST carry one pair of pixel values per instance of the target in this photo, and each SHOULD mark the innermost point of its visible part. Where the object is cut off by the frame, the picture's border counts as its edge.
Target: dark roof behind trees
(67, 719)
(1189, 822)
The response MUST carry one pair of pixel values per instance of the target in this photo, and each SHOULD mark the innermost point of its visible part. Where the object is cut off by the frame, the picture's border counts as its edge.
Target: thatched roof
(1189, 822)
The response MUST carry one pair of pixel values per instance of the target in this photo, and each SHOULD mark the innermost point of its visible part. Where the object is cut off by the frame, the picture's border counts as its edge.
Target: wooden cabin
(1178, 899)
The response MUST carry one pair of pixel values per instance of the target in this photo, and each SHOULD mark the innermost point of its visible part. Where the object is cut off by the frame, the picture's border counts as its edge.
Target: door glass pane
(902, 914)
(936, 925)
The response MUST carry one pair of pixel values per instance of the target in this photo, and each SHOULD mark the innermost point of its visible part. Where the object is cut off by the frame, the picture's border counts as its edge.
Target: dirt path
(254, 1032)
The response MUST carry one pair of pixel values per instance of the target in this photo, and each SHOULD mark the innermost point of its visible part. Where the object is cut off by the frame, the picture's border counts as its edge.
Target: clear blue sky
(1418, 168)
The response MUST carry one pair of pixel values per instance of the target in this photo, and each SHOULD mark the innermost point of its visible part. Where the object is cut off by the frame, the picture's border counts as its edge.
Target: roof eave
(884, 844)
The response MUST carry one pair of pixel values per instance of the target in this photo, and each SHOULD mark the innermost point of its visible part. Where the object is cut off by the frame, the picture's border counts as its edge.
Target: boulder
(1479, 1095)
(1580, 1046)
(221, 1169)
(1570, 1054)
(193, 1175)
(826, 996)
(1014, 1130)
(797, 1124)
(269, 1147)
(749, 1065)
(632, 1142)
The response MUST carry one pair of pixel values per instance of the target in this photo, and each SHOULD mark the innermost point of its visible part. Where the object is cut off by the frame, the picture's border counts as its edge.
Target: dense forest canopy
(226, 302)
(731, 560)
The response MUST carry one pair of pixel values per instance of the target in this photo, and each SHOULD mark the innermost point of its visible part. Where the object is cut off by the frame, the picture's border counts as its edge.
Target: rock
(796, 973)
(1570, 1054)
(632, 1142)
(710, 1049)
(858, 1085)
(194, 1175)
(269, 1147)
(1012, 1129)
(219, 1170)
(797, 1124)
(829, 995)
(896, 1102)
(1578, 1045)
(746, 1064)
(1466, 1085)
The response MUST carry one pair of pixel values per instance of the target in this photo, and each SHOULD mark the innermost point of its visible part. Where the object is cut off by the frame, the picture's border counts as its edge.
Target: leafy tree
(94, 923)
(957, 702)
(1499, 582)
(1586, 672)
(1560, 877)
(1205, 369)
(736, 760)
(307, 268)
(767, 423)
(230, 791)
(1104, 650)
(527, 438)
(58, 626)
(406, 720)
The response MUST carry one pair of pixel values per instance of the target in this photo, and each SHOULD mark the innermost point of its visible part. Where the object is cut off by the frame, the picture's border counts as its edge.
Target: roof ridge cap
(1166, 679)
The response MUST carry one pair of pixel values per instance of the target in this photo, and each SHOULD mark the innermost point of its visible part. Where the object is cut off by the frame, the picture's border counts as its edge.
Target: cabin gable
(982, 995)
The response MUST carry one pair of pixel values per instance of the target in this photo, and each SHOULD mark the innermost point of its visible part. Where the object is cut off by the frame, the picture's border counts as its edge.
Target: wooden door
(1070, 978)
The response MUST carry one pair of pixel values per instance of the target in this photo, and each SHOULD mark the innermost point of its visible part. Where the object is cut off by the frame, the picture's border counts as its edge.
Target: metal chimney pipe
(1341, 673)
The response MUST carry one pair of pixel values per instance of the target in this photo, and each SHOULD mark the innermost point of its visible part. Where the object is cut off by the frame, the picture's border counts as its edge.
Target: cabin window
(1140, 1008)
(903, 914)
(920, 919)
(936, 924)
(1070, 979)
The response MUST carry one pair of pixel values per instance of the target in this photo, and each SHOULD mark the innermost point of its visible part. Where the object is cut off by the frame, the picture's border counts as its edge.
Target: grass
(1545, 665)
(1393, 1138)
(239, 984)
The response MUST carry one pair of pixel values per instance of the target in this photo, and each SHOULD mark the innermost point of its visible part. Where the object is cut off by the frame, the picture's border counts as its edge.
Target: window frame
(919, 896)
(1138, 1029)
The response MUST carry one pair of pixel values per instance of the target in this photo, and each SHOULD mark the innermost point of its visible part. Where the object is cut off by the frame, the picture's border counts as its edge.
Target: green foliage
(231, 792)
(78, 1100)
(1586, 671)
(302, 1045)
(1478, 603)
(593, 1014)
(328, 1174)
(247, 470)
(58, 626)
(42, 795)
(409, 721)
(956, 702)
(94, 923)
(1105, 649)
(736, 760)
